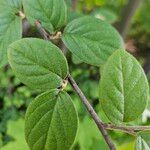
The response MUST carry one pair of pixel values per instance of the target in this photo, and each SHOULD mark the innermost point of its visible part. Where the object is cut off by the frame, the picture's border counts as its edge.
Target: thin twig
(41, 30)
(113, 127)
(92, 112)
(46, 35)
(128, 129)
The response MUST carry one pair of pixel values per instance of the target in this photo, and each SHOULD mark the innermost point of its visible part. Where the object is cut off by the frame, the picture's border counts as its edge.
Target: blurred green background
(15, 97)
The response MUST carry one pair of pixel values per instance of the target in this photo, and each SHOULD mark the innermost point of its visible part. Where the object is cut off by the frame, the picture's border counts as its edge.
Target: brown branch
(41, 30)
(63, 47)
(82, 97)
(92, 112)
(26, 28)
(46, 35)
(128, 129)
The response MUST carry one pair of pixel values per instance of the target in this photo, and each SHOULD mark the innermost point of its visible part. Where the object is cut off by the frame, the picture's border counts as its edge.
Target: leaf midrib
(123, 88)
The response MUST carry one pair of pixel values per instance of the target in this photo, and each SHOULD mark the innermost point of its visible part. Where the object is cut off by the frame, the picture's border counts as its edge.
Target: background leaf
(10, 26)
(51, 122)
(51, 13)
(16, 130)
(143, 141)
(38, 63)
(124, 88)
(127, 146)
(92, 40)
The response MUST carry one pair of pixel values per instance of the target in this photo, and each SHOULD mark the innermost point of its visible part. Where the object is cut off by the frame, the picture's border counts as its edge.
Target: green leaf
(10, 26)
(51, 13)
(92, 40)
(38, 63)
(75, 59)
(124, 88)
(51, 122)
(126, 146)
(143, 141)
